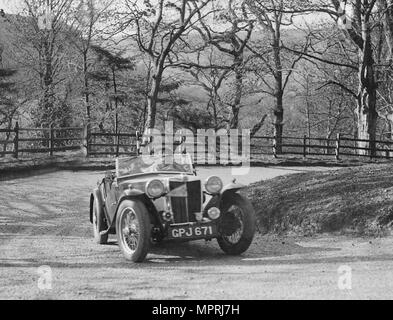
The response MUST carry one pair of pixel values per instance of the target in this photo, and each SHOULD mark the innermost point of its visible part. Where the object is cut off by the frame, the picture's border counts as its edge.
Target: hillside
(5, 43)
(352, 200)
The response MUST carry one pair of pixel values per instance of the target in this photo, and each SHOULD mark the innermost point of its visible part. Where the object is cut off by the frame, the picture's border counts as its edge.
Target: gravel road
(44, 222)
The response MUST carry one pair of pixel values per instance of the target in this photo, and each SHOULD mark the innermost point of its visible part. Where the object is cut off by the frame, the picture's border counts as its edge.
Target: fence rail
(18, 142)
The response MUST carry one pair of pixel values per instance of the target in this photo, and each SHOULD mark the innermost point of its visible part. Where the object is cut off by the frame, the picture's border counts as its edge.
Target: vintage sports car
(155, 198)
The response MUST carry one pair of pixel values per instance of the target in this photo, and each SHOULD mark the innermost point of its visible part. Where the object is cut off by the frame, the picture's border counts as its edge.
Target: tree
(160, 26)
(359, 20)
(85, 30)
(327, 110)
(8, 105)
(386, 14)
(40, 50)
(272, 18)
(212, 79)
(385, 74)
(111, 64)
(230, 37)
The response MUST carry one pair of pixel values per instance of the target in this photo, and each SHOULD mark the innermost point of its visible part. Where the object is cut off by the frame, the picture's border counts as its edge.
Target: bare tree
(158, 26)
(359, 19)
(272, 18)
(41, 50)
(8, 105)
(113, 64)
(85, 30)
(212, 79)
(230, 37)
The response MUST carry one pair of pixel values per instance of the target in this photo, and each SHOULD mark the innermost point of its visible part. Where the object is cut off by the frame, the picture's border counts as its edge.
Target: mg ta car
(150, 199)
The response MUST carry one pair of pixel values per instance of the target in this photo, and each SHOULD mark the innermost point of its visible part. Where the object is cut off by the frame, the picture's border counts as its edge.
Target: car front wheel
(237, 225)
(133, 230)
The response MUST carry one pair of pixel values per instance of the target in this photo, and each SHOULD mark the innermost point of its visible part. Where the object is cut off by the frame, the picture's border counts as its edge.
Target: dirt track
(43, 221)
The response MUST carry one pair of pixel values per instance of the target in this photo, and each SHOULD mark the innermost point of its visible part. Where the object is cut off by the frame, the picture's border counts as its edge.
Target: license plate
(192, 232)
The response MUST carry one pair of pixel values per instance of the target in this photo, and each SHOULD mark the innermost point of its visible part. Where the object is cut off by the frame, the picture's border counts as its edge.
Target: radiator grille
(184, 208)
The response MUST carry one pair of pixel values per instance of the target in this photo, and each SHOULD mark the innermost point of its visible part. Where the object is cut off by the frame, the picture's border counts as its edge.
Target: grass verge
(351, 200)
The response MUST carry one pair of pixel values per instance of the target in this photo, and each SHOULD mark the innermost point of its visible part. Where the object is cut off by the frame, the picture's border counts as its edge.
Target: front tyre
(133, 230)
(237, 225)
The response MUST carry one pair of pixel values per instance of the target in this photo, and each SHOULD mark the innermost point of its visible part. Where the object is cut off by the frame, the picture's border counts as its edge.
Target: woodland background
(277, 67)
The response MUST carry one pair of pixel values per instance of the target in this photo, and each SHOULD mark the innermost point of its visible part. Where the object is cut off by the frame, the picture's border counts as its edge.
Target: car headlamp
(213, 185)
(155, 189)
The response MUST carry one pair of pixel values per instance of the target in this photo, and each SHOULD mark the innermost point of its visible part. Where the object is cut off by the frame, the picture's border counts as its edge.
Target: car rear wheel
(237, 225)
(99, 223)
(133, 230)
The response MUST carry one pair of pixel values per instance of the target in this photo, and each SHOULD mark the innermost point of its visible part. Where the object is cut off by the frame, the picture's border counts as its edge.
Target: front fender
(232, 188)
(227, 191)
(132, 193)
(96, 194)
(137, 195)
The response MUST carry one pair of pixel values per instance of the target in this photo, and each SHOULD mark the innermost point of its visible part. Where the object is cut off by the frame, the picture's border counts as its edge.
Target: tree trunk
(153, 97)
(387, 20)
(47, 115)
(234, 124)
(116, 120)
(8, 134)
(279, 91)
(367, 121)
(86, 85)
(116, 140)
(278, 121)
(367, 97)
(146, 105)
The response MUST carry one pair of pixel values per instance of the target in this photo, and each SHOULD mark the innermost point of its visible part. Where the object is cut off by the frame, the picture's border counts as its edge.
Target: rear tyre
(237, 225)
(133, 230)
(99, 223)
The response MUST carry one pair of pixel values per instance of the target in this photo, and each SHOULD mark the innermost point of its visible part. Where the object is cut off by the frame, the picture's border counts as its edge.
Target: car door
(111, 189)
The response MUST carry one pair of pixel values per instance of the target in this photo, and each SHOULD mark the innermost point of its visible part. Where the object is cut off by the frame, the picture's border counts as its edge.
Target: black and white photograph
(209, 151)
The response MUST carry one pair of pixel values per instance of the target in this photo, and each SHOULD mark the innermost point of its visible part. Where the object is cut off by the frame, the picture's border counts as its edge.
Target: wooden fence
(19, 142)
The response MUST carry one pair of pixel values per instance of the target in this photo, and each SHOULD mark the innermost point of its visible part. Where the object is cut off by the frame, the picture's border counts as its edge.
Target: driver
(169, 164)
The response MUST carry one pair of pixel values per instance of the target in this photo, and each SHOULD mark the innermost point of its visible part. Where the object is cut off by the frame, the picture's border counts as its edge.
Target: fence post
(338, 144)
(138, 144)
(51, 139)
(85, 140)
(305, 146)
(16, 140)
(117, 144)
(274, 147)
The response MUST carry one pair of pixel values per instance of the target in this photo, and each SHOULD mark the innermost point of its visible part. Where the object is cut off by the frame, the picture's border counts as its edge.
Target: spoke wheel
(237, 225)
(237, 216)
(130, 231)
(133, 230)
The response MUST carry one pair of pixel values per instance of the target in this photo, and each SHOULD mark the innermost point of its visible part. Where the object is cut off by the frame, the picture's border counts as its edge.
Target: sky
(9, 6)
(13, 6)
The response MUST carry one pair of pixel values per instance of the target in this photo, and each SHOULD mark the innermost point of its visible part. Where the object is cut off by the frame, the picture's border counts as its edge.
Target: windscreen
(179, 163)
